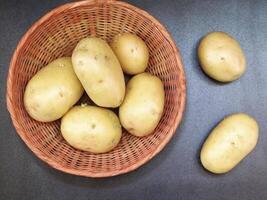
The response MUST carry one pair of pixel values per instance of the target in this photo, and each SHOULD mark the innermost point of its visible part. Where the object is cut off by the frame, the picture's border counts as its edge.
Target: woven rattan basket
(56, 35)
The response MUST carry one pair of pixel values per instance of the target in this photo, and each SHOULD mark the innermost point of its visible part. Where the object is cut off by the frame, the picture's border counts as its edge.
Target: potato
(90, 128)
(52, 91)
(99, 71)
(132, 52)
(229, 142)
(143, 105)
(221, 57)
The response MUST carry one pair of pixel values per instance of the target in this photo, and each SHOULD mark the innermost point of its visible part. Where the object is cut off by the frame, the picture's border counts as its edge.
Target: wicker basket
(56, 35)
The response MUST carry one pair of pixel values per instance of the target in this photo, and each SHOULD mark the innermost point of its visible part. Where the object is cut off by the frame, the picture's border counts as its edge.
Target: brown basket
(56, 35)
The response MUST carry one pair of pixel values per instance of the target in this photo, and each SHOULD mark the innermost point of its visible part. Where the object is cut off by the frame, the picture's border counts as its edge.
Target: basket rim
(46, 158)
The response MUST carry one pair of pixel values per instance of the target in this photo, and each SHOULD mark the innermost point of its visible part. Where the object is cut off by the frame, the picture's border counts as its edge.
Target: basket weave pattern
(56, 35)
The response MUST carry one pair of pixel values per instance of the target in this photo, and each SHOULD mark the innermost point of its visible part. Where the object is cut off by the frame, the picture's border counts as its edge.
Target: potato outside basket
(56, 35)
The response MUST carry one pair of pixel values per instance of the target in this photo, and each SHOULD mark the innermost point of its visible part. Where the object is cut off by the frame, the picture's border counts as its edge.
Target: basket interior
(56, 37)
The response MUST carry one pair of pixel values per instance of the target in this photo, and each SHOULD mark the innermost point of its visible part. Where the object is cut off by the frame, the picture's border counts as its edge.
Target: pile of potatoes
(97, 67)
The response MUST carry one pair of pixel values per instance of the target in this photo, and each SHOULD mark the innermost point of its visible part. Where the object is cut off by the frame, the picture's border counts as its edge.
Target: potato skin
(52, 91)
(221, 57)
(143, 105)
(229, 142)
(90, 128)
(131, 51)
(99, 71)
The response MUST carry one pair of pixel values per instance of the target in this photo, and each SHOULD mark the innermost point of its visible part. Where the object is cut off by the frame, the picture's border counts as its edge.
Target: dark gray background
(176, 172)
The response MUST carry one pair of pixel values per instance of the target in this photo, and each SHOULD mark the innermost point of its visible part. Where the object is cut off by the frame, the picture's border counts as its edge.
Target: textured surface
(175, 173)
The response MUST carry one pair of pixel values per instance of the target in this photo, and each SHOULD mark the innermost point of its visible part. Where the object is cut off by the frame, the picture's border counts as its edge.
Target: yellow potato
(52, 91)
(143, 105)
(229, 142)
(99, 71)
(90, 128)
(221, 57)
(131, 51)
